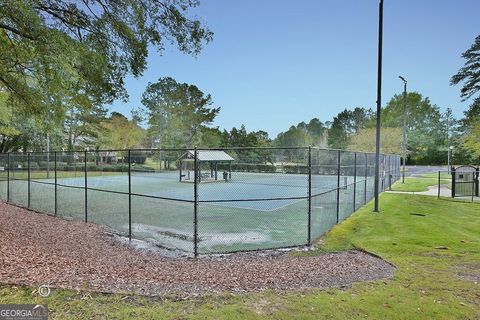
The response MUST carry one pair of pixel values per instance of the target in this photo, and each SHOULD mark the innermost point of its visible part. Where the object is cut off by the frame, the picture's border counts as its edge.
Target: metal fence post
(382, 188)
(130, 194)
(398, 167)
(48, 156)
(389, 166)
(338, 186)
(394, 169)
(309, 231)
(85, 184)
(8, 177)
(366, 176)
(453, 181)
(28, 177)
(473, 186)
(438, 195)
(195, 204)
(388, 171)
(477, 171)
(56, 182)
(355, 182)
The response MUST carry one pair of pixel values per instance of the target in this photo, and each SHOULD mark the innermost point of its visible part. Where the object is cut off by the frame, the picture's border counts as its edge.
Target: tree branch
(16, 31)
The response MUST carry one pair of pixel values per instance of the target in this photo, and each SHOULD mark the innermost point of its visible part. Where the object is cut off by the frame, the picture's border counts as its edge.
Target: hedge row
(79, 166)
(247, 167)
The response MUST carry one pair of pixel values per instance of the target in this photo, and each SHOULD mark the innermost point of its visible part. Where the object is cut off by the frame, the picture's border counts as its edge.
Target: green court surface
(251, 211)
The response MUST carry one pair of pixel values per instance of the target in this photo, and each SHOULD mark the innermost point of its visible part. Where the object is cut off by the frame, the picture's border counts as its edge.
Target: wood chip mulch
(38, 249)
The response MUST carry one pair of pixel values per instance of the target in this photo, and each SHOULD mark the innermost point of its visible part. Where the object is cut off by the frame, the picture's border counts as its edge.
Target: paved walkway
(433, 191)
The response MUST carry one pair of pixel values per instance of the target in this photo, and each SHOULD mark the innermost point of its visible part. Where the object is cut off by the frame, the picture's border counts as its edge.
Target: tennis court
(290, 205)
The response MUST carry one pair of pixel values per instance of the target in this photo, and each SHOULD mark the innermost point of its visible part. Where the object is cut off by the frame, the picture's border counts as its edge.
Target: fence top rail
(186, 149)
(295, 148)
(93, 151)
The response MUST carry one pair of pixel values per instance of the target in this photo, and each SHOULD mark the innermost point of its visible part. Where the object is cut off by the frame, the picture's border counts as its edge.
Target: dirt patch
(470, 272)
(265, 307)
(39, 249)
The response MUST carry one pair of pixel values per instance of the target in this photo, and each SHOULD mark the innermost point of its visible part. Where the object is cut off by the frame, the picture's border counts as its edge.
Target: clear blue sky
(275, 63)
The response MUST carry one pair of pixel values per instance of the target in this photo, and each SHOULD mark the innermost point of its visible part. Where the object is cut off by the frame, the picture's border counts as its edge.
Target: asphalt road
(413, 171)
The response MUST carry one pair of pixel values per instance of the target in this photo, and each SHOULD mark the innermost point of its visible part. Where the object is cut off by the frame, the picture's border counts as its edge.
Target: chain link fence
(202, 200)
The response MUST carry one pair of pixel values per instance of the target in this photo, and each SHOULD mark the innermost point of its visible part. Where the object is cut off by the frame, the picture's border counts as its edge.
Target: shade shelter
(208, 162)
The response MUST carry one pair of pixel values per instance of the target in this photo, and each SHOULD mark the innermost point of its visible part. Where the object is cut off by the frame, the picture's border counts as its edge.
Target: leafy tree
(34, 134)
(6, 114)
(242, 138)
(20, 132)
(262, 138)
(303, 134)
(471, 115)
(120, 133)
(345, 124)
(451, 125)
(337, 134)
(365, 140)
(317, 131)
(29, 134)
(426, 131)
(177, 112)
(83, 126)
(471, 141)
(469, 74)
(469, 77)
(63, 54)
(464, 152)
(211, 137)
(359, 119)
(293, 137)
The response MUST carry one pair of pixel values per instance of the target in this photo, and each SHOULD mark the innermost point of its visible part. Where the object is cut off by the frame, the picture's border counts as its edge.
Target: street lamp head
(451, 147)
(403, 79)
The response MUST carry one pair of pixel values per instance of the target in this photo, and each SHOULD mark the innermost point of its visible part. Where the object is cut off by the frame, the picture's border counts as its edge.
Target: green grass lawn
(410, 232)
(416, 184)
(152, 163)
(443, 175)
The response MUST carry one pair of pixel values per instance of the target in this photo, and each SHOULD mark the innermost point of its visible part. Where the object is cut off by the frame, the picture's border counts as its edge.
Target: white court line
(256, 209)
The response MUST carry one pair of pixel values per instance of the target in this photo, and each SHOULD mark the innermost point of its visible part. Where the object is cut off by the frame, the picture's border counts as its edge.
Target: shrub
(295, 169)
(92, 167)
(142, 168)
(138, 159)
(122, 167)
(248, 167)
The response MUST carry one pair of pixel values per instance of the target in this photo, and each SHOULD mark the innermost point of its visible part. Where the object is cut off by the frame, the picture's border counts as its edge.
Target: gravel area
(40, 249)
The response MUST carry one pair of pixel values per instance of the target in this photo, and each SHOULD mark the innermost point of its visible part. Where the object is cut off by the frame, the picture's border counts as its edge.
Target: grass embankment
(419, 184)
(435, 245)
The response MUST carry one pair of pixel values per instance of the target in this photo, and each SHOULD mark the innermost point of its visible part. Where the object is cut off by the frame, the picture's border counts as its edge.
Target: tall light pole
(379, 103)
(404, 143)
